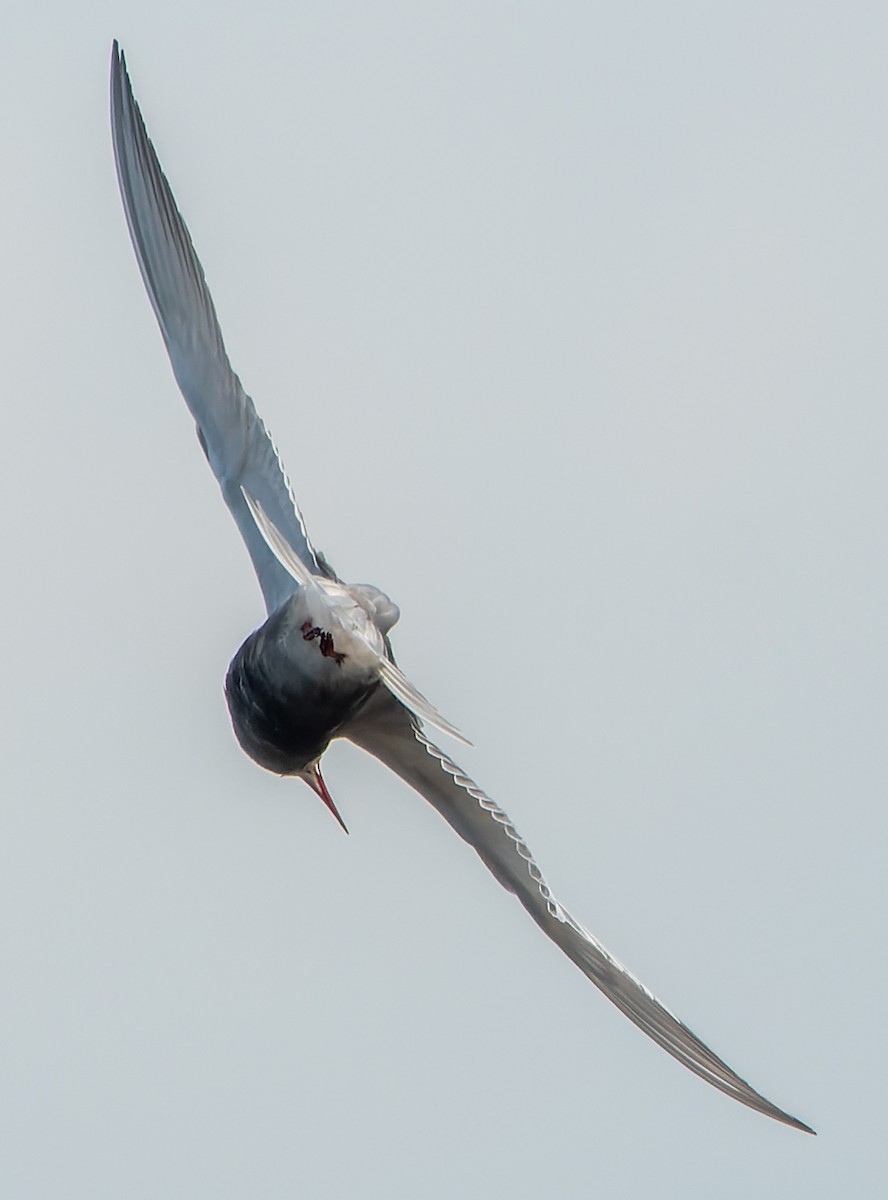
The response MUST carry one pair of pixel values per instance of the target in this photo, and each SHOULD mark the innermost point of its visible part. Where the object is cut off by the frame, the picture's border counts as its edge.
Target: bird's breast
(292, 685)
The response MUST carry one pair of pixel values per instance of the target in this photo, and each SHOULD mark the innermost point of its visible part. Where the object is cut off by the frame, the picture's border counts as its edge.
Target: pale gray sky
(580, 305)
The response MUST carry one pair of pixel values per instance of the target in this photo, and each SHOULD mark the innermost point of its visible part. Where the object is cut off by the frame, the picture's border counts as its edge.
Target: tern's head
(311, 773)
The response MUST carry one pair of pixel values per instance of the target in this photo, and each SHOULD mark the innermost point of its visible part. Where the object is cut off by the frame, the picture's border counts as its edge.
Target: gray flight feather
(234, 437)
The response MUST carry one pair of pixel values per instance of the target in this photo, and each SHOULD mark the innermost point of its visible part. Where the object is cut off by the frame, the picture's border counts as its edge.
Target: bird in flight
(321, 666)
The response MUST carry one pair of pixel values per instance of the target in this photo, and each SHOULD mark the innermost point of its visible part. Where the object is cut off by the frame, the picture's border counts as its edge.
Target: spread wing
(231, 432)
(387, 731)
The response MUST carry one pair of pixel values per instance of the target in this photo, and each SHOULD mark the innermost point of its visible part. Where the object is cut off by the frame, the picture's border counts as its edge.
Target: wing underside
(389, 733)
(235, 440)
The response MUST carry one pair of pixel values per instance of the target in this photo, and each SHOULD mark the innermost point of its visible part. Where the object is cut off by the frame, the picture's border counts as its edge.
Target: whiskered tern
(321, 666)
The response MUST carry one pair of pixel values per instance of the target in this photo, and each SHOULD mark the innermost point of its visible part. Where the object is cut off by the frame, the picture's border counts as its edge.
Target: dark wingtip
(118, 64)
(793, 1122)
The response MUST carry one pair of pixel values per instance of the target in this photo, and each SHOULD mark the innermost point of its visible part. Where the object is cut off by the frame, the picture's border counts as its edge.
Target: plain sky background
(569, 322)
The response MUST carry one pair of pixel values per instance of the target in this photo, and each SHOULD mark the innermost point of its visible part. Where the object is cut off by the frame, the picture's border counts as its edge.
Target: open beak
(315, 781)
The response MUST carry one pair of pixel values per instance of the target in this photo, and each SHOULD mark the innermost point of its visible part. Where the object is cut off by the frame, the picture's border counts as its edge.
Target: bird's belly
(288, 695)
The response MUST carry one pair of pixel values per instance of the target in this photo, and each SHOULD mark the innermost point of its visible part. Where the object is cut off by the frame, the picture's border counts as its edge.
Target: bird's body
(286, 696)
(321, 665)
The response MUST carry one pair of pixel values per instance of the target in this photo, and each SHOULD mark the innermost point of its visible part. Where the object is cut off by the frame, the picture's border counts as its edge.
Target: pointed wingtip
(278, 544)
(785, 1118)
(411, 697)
